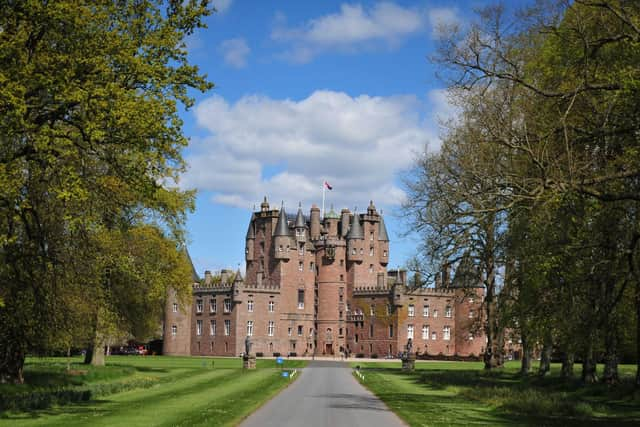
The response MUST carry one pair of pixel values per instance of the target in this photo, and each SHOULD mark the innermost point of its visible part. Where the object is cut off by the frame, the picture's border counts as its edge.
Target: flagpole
(323, 190)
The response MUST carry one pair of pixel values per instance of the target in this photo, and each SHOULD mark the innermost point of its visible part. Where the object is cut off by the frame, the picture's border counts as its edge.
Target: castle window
(300, 330)
(409, 331)
(425, 311)
(300, 299)
(471, 336)
(370, 268)
(341, 263)
(174, 330)
(311, 266)
(199, 306)
(371, 251)
(175, 307)
(353, 251)
(212, 328)
(340, 314)
(470, 314)
(342, 277)
(372, 310)
(289, 331)
(447, 311)
(280, 248)
(227, 327)
(213, 305)
(389, 309)
(199, 327)
(384, 253)
(300, 266)
(371, 236)
(371, 330)
(340, 331)
(412, 310)
(341, 297)
(435, 313)
(227, 305)
(250, 328)
(272, 306)
(434, 336)
(250, 306)
(425, 332)
(446, 333)
(470, 300)
(361, 251)
(271, 328)
(390, 331)
(301, 249)
(356, 337)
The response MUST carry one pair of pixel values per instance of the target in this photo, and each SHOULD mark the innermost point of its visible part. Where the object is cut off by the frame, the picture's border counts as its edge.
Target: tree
(91, 141)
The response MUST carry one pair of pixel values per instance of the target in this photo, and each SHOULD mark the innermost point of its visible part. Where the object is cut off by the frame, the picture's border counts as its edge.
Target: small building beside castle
(320, 286)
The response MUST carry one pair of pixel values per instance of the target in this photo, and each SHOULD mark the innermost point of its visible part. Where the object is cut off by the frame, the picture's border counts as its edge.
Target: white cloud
(285, 149)
(222, 5)
(235, 52)
(442, 20)
(352, 29)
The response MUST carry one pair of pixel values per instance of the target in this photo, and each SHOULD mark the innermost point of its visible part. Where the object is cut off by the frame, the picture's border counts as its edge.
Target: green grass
(461, 393)
(137, 391)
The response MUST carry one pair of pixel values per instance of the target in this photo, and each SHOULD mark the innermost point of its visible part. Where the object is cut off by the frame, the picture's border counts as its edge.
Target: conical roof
(251, 232)
(282, 228)
(238, 277)
(355, 232)
(300, 222)
(382, 231)
(194, 273)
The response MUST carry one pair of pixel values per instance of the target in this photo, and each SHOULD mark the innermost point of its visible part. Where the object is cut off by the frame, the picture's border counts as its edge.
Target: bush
(374, 356)
(293, 354)
(259, 354)
(276, 354)
(359, 355)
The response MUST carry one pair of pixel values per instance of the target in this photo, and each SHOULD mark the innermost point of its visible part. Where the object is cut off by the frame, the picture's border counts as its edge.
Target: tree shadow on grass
(506, 397)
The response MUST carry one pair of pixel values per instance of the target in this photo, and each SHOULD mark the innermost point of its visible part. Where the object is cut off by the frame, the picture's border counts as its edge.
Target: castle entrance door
(329, 348)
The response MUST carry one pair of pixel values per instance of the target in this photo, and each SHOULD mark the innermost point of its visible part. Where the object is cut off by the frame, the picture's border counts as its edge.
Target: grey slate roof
(382, 231)
(282, 227)
(300, 222)
(238, 277)
(251, 232)
(355, 231)
(194, 273)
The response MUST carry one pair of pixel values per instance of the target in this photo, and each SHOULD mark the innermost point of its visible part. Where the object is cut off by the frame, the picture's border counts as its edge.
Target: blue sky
(308, 91)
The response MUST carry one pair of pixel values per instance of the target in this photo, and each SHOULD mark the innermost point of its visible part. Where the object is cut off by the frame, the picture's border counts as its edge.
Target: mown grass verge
(53, 384)
(459, 393)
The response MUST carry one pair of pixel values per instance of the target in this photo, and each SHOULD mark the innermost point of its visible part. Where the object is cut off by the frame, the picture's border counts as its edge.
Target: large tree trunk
(527, 355)
(610, 374)
(493, 357)
(545, 357)
(95, 350)
(567, 365)
(12, 363)
(589, 365)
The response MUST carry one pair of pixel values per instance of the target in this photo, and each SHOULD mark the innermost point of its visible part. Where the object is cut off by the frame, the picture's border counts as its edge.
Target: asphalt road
(325, 394)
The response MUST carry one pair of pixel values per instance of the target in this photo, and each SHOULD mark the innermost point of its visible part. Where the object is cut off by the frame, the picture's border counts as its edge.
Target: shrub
(259, 354)
(374, 356)
(276, 354)
(359, 355)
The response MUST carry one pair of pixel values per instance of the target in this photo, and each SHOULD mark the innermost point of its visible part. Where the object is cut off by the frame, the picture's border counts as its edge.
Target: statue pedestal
(409, 362)
(249, 362)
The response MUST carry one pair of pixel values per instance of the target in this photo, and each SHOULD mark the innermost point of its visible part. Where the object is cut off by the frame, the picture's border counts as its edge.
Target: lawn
(461, 393)
(140, 391)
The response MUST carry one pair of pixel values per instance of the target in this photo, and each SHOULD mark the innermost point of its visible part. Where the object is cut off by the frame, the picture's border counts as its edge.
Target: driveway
(325, 394)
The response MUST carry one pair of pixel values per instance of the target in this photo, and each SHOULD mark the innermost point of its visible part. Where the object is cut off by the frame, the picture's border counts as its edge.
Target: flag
(326, 184)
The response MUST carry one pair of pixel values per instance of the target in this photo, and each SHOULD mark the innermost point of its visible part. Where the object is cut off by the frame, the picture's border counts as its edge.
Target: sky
(307, 92)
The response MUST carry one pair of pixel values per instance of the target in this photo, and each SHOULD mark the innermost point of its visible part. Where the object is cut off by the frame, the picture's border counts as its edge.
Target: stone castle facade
(318, 286)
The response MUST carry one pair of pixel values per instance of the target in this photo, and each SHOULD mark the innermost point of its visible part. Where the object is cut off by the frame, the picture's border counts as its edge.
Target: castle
(319, 286)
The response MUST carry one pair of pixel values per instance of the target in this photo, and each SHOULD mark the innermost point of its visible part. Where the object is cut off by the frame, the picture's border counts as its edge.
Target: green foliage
(90, 145)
